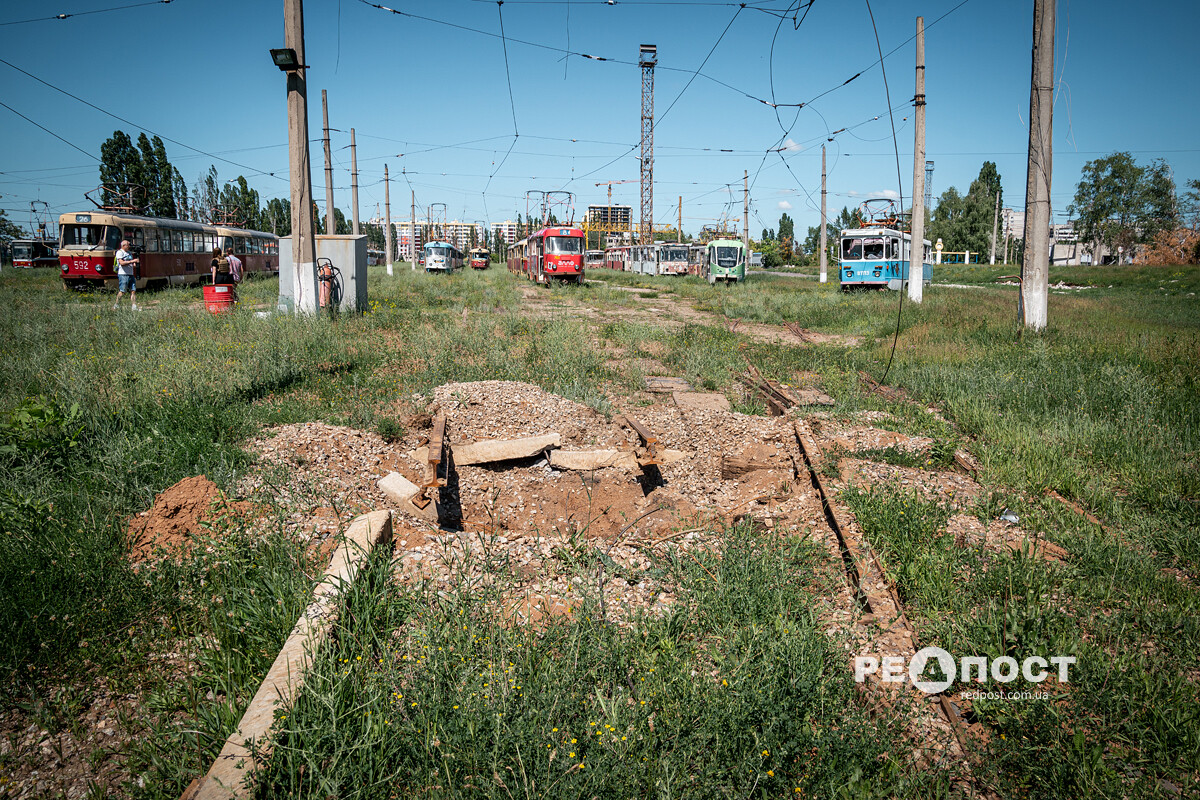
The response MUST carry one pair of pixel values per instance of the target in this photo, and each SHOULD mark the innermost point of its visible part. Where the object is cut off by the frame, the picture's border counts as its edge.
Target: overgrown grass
(737, 692)
(1128, 717)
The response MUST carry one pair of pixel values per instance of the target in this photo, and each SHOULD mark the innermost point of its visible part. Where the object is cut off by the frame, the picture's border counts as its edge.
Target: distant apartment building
(609, 218)
(507, 230)
(457, 233)
(1012, 223)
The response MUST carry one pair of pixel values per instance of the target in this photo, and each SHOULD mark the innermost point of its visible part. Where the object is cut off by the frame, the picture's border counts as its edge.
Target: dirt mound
(176, 516)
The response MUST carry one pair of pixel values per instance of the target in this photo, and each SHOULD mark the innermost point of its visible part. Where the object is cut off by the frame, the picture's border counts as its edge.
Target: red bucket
(220, 298)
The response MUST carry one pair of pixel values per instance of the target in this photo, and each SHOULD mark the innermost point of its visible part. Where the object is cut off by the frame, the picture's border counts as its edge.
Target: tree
(278, 215)
(342, 227)
(1189, 206)
(9, 230)
(1120, 204)
(948, 222)
(119, 163)
(498, 245)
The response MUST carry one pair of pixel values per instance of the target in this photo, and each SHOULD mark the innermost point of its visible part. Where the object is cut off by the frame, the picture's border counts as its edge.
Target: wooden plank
(736, 466)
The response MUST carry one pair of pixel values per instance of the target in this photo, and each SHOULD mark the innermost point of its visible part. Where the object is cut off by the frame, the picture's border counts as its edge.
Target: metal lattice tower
(647, 58)
(929, 185)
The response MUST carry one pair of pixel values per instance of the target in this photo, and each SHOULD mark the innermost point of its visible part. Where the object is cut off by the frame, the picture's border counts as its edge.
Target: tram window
(893, 248)
(176, 241)
(135, 237)
(82, 235)
(151, 240)
(188, 241)
(851, 249)
(728, 257)
(239, 244)
(873, 249)
(564, 245)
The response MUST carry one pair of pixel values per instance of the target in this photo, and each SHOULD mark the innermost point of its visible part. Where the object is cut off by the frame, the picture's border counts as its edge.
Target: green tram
(725, 260)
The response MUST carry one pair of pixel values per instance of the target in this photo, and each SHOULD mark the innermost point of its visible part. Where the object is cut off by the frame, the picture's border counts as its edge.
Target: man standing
(235, 266)
(126, 281)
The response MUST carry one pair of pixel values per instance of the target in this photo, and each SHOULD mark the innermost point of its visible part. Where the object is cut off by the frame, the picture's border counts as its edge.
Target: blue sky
(433, 102)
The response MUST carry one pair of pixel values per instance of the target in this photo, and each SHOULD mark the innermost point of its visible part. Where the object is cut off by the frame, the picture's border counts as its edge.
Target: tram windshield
(438, 251)
(675, 254)
(91, 236)
(564, 245)
(728, 257)
(851, 249)
(22, 250)
(873, 249)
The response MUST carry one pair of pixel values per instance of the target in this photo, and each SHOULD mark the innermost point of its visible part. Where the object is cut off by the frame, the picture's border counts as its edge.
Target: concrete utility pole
(680, 231)
(412, 232)
(387, 217)
(330, 220)
(916, 247)
(824, 255)
(354, 181)
(746, 213)
(304, 243)
(995, 225)
(1035, 266)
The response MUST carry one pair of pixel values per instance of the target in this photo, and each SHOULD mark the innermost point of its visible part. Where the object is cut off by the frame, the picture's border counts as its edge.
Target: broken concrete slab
(585, 460)
(401, 491)
(702, 401)
(398, 488)
(666, 384)
(489, 451)
(231, 775)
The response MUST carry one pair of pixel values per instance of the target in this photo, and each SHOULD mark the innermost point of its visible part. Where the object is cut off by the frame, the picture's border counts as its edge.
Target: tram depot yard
(622, 539)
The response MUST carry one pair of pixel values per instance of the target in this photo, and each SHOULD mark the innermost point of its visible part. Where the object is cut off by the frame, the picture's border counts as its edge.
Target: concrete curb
(231, 775)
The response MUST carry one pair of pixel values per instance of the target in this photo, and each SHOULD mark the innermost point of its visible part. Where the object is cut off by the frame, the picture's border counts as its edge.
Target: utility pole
(824, 255)
(330, 221)
(304, 243)
(916, 247)
(354, 181)
(746, 213)
(1035, 267)
(995, 225)
(680, 231)
(412, 232)
(387, 219)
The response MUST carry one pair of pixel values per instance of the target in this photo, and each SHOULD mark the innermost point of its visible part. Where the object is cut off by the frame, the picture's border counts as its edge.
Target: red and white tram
(549, 254)
(170, 251)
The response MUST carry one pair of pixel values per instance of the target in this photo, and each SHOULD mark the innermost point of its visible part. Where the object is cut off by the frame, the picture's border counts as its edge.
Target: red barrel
(220, 298)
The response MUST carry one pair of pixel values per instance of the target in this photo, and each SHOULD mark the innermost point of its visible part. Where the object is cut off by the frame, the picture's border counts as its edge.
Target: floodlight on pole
(285, 58)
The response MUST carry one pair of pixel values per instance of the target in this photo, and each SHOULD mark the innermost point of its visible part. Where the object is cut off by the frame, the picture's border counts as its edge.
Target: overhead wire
(254, 172)
(87, 13)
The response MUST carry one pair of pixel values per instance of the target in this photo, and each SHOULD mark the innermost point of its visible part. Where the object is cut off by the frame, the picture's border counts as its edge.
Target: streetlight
(285, 58)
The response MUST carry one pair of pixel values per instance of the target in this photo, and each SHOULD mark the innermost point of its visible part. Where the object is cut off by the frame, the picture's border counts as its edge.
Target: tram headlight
(98, 268)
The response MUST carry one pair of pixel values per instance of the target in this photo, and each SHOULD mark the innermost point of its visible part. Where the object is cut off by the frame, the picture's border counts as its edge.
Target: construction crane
(609, 184)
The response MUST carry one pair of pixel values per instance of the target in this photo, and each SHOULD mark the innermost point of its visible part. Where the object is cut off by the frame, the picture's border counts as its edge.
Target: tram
(169, 251)
(725, 260)
(481, 258)
(878, 254)
(549, 254)
(593, 259)
(672, 258)
(27, 253)
(442, 257)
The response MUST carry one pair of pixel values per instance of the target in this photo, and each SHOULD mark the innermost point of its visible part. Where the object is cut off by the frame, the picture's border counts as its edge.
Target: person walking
(220, 268)
(126, 280)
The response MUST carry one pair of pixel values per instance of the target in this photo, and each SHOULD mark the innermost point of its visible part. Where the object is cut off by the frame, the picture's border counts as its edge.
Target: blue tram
(442, 257)
(878, 257)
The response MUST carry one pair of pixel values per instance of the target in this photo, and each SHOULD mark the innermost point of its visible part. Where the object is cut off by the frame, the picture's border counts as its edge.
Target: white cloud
(785, 205)
(890, 194)
(791, 146)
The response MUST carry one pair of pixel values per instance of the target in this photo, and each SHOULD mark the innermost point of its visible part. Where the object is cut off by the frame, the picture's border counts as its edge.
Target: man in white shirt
(126, 281)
